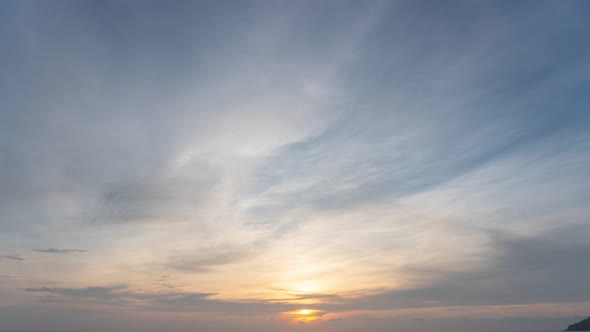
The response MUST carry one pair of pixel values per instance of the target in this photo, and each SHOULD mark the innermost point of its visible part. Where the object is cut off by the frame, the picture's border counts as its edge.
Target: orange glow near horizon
(305, 315)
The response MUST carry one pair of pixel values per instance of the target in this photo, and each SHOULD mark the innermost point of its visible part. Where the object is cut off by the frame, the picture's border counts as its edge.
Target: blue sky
(172, 164)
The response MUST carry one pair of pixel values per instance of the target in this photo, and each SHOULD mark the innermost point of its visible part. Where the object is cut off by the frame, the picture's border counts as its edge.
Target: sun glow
(304, 312)
(307, 287)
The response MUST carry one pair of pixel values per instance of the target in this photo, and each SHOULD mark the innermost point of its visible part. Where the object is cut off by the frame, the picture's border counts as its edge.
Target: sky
(294, 165)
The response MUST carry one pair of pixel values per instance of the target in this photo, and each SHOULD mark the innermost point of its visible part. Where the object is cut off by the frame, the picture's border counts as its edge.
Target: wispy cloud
(345, 156)
(205, 259)
(12, 257)
(59, 251)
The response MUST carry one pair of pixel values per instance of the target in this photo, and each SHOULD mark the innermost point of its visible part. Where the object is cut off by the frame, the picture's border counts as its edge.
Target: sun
(304, 312)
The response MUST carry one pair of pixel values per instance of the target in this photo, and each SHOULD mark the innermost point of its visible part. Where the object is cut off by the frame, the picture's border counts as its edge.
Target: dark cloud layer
(173, 301)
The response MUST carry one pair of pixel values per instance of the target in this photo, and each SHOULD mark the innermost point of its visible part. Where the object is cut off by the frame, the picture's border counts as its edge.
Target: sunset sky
(302, 165)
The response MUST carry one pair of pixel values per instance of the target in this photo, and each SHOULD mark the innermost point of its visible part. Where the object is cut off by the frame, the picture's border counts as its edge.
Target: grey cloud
(12, 257)
(88, 141)
(158, 198)
(59, 251)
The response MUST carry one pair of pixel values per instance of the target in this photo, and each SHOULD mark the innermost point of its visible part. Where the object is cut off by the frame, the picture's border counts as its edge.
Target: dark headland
(583, 325)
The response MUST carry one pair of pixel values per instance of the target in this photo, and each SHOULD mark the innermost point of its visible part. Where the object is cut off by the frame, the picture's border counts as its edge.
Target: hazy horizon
(294, 165)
